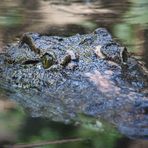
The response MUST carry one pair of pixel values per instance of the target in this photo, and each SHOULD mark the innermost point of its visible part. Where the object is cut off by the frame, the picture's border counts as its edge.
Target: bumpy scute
(63, 77)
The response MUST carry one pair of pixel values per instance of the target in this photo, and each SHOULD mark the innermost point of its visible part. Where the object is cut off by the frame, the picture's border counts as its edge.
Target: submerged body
(64, 77)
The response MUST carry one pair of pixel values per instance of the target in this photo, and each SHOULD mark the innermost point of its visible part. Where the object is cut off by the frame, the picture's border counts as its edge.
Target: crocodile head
(62, 77)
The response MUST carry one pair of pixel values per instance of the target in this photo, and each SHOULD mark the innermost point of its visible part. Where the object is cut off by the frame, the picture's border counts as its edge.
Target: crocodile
(63, 78)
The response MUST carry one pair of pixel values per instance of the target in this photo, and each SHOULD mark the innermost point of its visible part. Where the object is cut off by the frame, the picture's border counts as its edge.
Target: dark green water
(126, 20)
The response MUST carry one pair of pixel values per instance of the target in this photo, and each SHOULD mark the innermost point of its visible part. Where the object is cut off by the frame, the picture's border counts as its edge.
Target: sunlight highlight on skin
(102, 81)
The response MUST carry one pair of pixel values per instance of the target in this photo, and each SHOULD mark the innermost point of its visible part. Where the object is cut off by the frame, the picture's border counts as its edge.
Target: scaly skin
(64, 77)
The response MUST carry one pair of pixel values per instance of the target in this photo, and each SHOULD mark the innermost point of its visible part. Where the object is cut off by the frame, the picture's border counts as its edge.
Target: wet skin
(64, 77)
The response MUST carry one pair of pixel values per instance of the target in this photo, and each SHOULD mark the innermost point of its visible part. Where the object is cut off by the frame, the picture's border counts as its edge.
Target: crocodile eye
(47, 60)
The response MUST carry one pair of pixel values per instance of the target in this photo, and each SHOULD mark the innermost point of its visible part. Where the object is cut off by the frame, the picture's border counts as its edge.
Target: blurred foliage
(11, 15)
(88, 25)
(10, 120)
(133, 21)
(33, 130)
(138, 13)
(12, 18)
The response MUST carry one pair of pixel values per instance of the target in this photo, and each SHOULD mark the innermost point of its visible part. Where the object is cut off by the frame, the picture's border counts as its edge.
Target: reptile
(63, 78)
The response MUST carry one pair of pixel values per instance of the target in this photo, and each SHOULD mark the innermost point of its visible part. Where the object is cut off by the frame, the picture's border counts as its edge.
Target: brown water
(127, 20)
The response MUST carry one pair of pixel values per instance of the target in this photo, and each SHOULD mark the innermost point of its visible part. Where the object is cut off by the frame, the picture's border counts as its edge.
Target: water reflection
(126, 19)
(46, 16)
